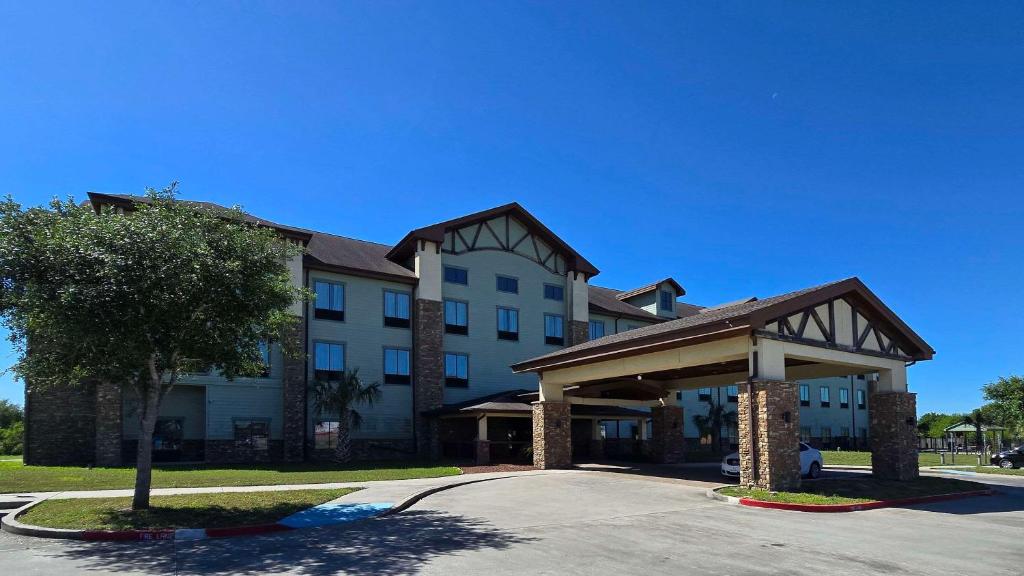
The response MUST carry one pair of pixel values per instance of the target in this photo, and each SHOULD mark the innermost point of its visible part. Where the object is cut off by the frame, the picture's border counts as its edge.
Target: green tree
(12, 438)
(337, 398)
(132, 297)
(10, 413)
(712, 422)
(1007, 398)
(934, 424)
(979, 420)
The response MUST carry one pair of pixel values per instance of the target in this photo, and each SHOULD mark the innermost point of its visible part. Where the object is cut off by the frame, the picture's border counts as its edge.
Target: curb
(9, 523)
(847, 507)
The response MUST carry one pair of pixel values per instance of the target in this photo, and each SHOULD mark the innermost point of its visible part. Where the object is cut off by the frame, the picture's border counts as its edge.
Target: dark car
(1013, 458)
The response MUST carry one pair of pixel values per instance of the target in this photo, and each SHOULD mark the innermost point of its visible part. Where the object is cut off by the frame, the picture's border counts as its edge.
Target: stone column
(109, 424)
(893, 417)
(666, 434)
(552, 441)
(294, 391)
(769, 430)
(428, 344)
(578, 308)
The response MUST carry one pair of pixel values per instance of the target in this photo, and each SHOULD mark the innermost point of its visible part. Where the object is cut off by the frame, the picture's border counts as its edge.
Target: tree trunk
(144, 453)
(343, 449)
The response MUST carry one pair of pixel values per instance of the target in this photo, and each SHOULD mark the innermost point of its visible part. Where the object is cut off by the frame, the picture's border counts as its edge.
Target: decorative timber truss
(507, 234)
(838, 324)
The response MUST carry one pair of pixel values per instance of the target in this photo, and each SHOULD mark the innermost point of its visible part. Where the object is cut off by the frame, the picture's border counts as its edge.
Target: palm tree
(711, 424)
(978, 419)
(338, 397)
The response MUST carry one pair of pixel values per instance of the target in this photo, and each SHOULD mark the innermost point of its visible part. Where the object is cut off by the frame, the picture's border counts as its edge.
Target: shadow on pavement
(399, 544)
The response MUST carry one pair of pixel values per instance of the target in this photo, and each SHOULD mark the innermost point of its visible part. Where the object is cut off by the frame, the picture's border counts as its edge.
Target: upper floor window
(396, 366)
(455, 275)
(508, 324)
(667, 300)
(844, 397)
(330, 300)
(805, 395)
(704, 394)
(328, 360)
(596, 329)
(732, 393)
(826, 396)
(396, 309)
(862, 401)
(552, 292)
(553, 330)
(507, 284)
(456, 317)
(456, 370)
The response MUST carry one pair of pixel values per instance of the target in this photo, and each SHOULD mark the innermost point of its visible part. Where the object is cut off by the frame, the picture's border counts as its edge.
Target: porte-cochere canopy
(835, 329)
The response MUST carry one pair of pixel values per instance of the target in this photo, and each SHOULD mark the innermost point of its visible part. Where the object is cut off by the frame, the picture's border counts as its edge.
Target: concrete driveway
(583, 523)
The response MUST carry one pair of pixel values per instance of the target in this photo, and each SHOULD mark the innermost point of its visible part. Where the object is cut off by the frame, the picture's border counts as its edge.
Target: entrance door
(582, 431)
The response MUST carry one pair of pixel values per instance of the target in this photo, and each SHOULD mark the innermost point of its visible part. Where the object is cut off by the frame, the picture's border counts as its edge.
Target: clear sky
(742, 148)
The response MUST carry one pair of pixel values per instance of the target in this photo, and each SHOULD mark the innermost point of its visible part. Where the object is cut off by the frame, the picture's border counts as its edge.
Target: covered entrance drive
(763, 346)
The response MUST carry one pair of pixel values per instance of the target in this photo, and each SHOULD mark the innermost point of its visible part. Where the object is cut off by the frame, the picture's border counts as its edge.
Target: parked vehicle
(810, 463)
(1012, 458)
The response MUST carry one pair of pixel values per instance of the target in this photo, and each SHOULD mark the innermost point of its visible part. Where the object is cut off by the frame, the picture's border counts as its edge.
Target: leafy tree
(337, 398)
(934, 424)
(712, 422)
(1006, 396)
(131, 297)
(978, 419)
(12, 438)
(10, 413)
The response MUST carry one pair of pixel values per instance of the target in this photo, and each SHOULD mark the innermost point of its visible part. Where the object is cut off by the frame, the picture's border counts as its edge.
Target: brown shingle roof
(653, 286)
(348, 255)
(605, 300)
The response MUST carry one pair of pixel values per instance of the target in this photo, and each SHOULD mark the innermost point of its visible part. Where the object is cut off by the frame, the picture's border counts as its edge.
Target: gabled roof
(406, 247)
(651, 287)
(605, 301)
(728, 321)
(351, 256)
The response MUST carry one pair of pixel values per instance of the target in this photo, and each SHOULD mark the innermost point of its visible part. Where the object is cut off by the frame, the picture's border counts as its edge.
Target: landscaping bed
(225, 509)
(16, 477)
(857, 490)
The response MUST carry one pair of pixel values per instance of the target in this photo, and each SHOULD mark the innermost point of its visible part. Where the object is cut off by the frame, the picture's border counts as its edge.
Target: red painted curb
(863, 505)
(245, 530)
(121, 535)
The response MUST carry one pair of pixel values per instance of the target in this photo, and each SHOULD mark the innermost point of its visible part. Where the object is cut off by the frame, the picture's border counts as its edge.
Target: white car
(810, 463)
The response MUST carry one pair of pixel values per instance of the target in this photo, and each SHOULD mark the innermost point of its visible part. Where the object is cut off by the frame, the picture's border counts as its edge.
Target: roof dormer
(658, 298)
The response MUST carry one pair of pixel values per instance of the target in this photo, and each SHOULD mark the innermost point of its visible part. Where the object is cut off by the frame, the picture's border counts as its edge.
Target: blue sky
(743, 148)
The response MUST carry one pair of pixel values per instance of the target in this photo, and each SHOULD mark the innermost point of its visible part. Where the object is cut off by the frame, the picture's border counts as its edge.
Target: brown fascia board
(663, 341)
(312, 263)
(97, 199)
(406, 247)
(644, 289)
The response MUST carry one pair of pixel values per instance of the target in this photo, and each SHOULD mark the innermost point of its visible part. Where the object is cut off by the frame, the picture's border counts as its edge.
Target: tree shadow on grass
(399, 544)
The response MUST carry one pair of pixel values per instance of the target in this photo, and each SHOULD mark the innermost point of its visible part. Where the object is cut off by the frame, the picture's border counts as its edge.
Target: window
(456, 370)
(826, 400)
(325, 434)
(596, 329)
(732, 393)
(454, 275)
(805, 395)
(396, 309)
(805, 433)
(844, 397)
(826, 433)
(861, 377)
(330, 300)
(264, 347)
(862, 401)
(508, 324)
(396, 366)
(667, 299)
(508, 284)
(252, 433)
(844, 431)
(553, 330)
(732, 433)
(679, 394)
(328, 360)
(456, 317)
(552, 292)
(704, 394)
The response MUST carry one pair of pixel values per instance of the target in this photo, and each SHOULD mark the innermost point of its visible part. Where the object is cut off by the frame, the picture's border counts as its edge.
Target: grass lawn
(10, 458)
(16, 477)
(994, 470)
(855, 490)
(180, 511)
(849, 458)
